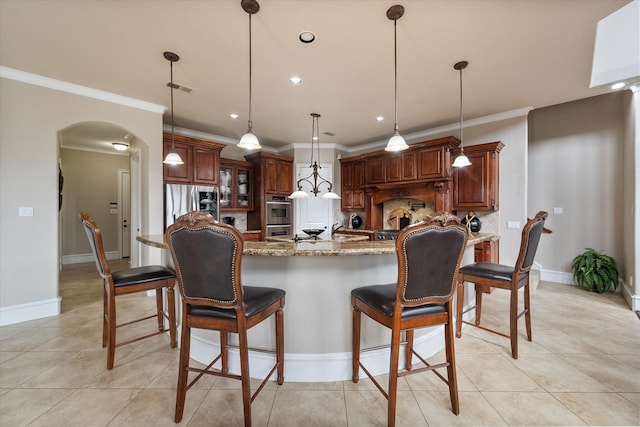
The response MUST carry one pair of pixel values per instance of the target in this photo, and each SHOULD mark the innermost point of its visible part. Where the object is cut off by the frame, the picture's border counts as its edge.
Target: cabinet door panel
(285, 178)
(271, 176)
(409, 166)
(358, 174)
(393, 168)
(430, 163)
(374, 169)
(178, 173)
(471, 183)
(205, 166)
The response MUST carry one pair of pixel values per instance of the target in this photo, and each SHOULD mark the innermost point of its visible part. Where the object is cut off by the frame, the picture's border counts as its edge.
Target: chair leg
(183, 374)
(244, 373)
(355, 345)
(171, 308)
(459, 308)
(280, 345)
(105, 318)
(111, 330)
(451, 360)
(527, 308)
(478, 303)
(160, 308)
(513, 322)
(408, 354)
(224, 351)
(393, 377)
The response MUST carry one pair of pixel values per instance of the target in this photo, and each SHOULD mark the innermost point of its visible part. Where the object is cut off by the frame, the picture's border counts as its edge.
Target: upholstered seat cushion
(138, 275)
(489, 270)
(256, 299)
(383, 299)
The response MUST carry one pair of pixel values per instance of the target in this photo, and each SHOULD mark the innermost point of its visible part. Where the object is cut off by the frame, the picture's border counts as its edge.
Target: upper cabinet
(201, 160)
(476, 187)
(236, 186)
(352, 181)
(274, 172)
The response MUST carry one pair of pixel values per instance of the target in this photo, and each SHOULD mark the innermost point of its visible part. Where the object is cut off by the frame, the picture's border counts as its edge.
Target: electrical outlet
(557, 211)
(513, 224)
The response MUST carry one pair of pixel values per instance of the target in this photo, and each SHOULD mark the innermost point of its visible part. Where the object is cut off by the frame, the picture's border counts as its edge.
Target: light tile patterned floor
(582, 368)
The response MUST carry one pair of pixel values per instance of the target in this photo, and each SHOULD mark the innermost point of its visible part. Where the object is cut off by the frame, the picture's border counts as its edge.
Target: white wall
(31, 117)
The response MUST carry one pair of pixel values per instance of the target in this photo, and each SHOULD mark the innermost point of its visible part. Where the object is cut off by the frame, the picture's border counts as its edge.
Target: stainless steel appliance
(180, 199)
(386, 234)
(278, 216)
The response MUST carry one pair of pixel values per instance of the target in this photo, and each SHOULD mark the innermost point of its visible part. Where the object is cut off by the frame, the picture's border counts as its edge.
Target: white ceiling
(522, 53)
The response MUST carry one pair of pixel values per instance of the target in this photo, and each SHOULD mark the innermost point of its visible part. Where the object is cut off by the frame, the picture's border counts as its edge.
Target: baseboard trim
(82, 258)
(321, 367)
(30, 311)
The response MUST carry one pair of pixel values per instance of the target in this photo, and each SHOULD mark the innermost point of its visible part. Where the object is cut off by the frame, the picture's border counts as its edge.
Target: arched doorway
(103, 181)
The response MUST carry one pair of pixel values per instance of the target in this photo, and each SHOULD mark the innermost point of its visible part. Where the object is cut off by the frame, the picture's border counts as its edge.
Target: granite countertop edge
(317, 248)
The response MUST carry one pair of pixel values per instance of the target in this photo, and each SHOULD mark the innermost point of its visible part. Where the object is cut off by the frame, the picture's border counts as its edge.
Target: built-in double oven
(278, 216)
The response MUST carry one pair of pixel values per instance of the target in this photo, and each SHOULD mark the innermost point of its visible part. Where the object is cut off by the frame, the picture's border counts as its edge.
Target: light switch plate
(25, 211)
(558, 211)
(513, 224)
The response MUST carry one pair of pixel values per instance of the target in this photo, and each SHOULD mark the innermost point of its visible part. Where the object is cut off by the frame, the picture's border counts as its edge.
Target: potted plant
(595, 271)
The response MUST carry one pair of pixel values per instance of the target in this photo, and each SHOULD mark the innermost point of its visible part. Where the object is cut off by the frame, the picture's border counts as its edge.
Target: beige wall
(576, 163)
(31, 118)
(90, 184)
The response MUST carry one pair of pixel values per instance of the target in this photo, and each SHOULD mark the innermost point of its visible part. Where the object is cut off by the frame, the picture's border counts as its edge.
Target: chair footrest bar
(264, 381)
(373, 380)
(137, 320)
(486, 329)
(141, 338)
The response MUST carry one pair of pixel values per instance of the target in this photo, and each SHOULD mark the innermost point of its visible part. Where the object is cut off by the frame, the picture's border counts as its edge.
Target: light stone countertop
(317, 247)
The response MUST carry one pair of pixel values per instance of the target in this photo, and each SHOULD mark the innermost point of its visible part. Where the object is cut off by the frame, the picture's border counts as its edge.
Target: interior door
(124, 196)
(314, 212)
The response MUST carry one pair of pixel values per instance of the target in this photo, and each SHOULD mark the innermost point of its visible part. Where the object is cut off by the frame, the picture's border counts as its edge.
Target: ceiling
(527, 53)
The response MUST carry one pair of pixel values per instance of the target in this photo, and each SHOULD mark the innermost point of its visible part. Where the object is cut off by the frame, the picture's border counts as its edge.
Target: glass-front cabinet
(235, 185)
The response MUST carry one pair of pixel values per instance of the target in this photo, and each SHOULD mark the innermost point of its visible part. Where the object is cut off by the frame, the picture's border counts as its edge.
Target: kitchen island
(318, 277)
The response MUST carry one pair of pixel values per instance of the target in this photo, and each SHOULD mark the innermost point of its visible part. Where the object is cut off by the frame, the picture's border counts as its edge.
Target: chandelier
(314, 179)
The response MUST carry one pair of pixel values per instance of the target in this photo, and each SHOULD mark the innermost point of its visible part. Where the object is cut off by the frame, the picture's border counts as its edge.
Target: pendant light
(462, 160)
(173, 158)
(317, 179)
(249, 141)
(396, 142)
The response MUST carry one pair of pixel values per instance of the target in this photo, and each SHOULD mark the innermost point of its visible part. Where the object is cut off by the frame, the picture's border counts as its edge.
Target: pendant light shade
(396, 142)
(315, 180)
(462, 160)
(249, 141)
(173, 158)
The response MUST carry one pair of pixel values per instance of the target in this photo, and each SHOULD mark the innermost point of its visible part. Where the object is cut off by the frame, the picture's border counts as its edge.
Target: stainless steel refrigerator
(180, 199)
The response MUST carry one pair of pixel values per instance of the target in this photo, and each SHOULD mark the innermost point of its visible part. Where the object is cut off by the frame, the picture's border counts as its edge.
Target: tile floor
(582, 368)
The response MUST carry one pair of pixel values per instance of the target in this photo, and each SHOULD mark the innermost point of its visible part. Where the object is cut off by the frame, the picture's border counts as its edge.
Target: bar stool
(510, 278)
(132, 280)
(429, 256)
(207, 255)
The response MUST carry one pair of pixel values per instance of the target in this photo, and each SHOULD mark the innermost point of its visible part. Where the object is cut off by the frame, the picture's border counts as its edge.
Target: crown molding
(62, 86)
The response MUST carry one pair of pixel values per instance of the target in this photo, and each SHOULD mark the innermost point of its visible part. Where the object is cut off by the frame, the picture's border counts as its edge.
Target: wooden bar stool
(132, 280)
(510, 278)
(207, 255)
(429, 256)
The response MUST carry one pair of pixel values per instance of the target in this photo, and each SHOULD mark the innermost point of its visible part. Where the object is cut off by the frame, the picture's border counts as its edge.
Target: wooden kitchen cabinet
(236, 185)
(374, 170)
(278, 175)
(476, 187)
(201, 160)
(401, 167)
(352, 181)
(431, 163)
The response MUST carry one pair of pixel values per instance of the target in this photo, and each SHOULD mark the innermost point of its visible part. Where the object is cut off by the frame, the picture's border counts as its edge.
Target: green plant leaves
(594, 270)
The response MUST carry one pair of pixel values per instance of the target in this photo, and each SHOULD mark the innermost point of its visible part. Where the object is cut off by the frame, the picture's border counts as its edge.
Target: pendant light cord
(395, 76)
(461, 128)
(173, 145)
(250, 123)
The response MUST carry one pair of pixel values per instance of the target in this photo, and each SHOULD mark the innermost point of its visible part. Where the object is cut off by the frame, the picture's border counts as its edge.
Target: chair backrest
(95, 241)
(529, 243)
(429, 257)
(207, 256)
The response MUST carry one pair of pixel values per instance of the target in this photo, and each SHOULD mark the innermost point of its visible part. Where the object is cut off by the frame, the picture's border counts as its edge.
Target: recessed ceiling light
(379, 119)
(618, 85)
(306, 37)
(234, 115)
(295, 80)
